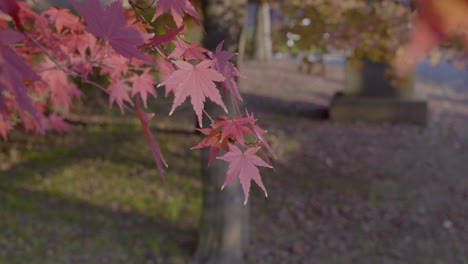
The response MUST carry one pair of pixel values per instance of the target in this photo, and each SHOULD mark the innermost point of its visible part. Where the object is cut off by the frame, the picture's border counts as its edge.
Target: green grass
(94, 196)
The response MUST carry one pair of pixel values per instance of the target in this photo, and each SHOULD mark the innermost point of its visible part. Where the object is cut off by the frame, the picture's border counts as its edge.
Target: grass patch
(94, 196)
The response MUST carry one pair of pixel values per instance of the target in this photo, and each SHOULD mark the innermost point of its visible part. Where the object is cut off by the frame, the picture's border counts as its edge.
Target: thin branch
(72, 73)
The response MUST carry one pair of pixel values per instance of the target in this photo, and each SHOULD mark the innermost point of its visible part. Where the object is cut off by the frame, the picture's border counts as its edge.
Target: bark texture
(262, 43)
(223, 234)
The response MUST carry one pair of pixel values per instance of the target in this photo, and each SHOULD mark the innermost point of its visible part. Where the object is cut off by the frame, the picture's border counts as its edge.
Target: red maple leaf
(114, 65)
(198, 83)
(192, 51)
(143, 84)
(214, 141)
(228, 69)
(259, 132)
(58, 123)
(14, 72)
(109, 23)
(244, 165)
(61, 90)
(119, 94)
(234, 127)
(177, 9)
(61, 18)
(11, 8)
(168, 37)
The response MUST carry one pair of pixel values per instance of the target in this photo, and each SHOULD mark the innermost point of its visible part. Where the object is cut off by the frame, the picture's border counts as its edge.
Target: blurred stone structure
(370, 96)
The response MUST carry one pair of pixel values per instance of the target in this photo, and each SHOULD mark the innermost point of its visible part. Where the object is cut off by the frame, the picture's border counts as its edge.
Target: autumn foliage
(42, 56)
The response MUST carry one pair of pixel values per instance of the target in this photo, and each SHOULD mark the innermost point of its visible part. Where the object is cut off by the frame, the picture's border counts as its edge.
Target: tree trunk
(223, 234)
(263, 45)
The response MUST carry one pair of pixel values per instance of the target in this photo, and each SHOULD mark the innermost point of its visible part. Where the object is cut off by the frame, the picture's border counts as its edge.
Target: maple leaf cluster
(43, 54)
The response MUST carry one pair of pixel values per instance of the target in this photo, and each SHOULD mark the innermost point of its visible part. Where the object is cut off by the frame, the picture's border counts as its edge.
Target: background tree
(223, 234)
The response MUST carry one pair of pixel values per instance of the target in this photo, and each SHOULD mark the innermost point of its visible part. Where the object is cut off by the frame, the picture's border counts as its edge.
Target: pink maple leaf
(62, 18)
(228, 69)
(235, 127)
(177, 9)
(166, 68)
(109, 23)
(14, 72)
(192, 51)
(168, 37)
(61, 90)
(244, 165)
(58, 123)
(143, 84)
(214, 141)
(198, 83)
(11, 8)
(119, 94)
(115, 65)
(259, 132)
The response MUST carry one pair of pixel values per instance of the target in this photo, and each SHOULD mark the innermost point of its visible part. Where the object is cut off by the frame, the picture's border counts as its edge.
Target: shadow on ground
(94, 196)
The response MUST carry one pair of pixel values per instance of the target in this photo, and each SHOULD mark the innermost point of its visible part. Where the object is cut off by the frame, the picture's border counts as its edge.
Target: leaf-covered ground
(341, 193)
(358, 193)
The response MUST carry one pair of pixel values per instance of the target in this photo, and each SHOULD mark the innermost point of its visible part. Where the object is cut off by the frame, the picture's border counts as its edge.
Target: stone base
(371, 109)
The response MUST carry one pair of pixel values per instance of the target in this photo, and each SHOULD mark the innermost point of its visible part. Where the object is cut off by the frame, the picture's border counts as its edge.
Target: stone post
(369, 95)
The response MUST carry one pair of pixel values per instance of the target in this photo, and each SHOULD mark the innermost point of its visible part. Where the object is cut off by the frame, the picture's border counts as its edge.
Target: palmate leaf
(244, 165)
(13, 73)
(143, 85)
(109, 23)
(196, 82)
(177, 8)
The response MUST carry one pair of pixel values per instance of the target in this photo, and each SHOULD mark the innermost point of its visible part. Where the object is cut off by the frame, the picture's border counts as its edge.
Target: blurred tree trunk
(44, 4)
(262, 44)
(223, 235)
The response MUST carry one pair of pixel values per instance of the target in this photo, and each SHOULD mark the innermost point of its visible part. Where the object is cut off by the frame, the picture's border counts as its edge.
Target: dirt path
(357, 193)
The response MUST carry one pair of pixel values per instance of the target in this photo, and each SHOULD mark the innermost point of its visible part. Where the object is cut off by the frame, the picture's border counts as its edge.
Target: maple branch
(72, 73)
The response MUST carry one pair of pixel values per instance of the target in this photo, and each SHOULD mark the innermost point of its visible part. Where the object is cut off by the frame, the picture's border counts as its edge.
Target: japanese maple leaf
(196, 81)
(214, 141)
(14, 72)
(143, 85)
(177, 9)
(166, 69)
(119, 94)
(189, 52)
(225, 67)
(61, 18)
(168, 37)
(11, 8)
(109, 23)
(58, 123)
(61, 90)
(115, 65)
(244, 165)
(435, 21)
(259, 132)
(235, 127)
